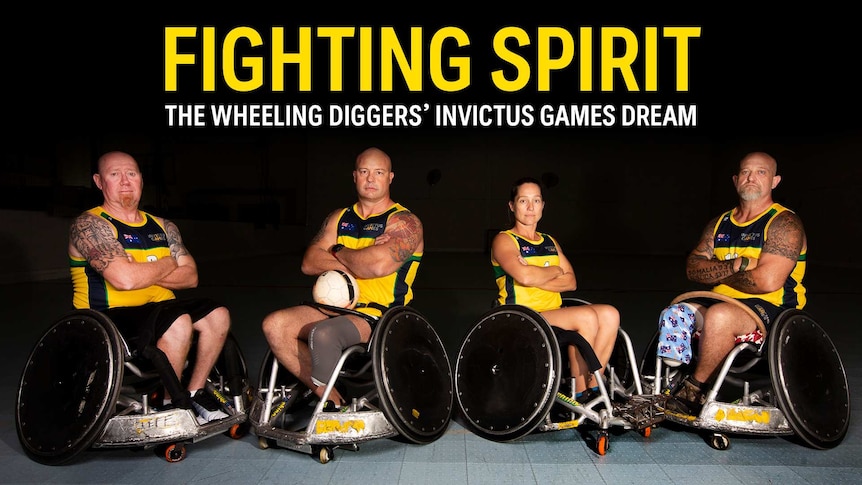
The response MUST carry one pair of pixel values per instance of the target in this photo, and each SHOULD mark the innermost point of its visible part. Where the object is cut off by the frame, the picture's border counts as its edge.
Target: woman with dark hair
(531, 270)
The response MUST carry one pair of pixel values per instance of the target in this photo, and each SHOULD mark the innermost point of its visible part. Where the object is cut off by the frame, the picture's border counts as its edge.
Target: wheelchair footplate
(642, 410)
(637, 412)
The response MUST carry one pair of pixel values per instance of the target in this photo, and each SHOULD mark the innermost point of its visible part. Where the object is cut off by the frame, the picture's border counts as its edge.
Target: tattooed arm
(402, 238)
(701, 265)
(785, 240)
(186, 273)
(93, 239)
(317, 258)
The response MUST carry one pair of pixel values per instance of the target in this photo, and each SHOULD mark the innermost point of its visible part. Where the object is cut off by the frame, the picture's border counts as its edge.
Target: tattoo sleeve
(701, 267)
(175, 241)
(785, 236)
(322, 231)
(406, 232)
(95, 240)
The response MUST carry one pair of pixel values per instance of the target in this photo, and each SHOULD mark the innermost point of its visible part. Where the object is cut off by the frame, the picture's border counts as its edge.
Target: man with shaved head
(127, 263)
(754, 253)
(376, 240)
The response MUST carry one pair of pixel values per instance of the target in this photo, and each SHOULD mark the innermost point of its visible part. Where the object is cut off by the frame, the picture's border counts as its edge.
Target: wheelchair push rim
(412, 375)
(507, 373)
(69, 387)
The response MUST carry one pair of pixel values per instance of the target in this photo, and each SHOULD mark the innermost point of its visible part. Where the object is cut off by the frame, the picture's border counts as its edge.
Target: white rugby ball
(336, 288)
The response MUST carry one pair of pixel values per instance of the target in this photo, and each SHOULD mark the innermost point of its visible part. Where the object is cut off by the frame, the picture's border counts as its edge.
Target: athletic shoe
(207, 407)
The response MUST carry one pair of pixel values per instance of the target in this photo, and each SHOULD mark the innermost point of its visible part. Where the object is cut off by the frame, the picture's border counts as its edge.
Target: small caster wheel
(602, 444)
(237, 431)
(719, 441)
(324, 454)
(262, 443)
(175, 452)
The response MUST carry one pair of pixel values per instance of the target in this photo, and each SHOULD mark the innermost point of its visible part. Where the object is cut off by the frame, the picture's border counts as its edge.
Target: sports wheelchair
(400, 383)
(508, 379)
(789, 381)
(83, 388)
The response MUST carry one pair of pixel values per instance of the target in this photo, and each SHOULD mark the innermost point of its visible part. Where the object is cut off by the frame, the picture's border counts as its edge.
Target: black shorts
(765, 310)
(144, 325)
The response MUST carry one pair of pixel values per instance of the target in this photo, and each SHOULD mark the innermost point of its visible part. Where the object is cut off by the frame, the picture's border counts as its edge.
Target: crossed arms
(784, 242)
(92, 238)
(403, 237)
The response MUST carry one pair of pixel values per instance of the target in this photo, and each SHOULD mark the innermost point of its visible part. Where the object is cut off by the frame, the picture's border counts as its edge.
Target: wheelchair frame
(121, 415)
(373, 415)
(766, 410)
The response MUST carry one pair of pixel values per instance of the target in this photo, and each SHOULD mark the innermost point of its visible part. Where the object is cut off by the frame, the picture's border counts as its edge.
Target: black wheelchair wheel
(412, 375)
(507, 373)
(809, 380)
(69, 387)
(230, 370)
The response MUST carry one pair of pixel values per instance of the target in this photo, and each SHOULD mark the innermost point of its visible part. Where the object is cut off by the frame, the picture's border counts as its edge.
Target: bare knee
(608, 317)
(179, 333)
(276, 327)
(217, 322)
(722, 319)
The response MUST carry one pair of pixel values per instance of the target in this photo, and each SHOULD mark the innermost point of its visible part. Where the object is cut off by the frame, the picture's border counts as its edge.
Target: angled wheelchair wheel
(412, 375)
(809, 380)
(230, 370)
(507, 373)
(69, 387)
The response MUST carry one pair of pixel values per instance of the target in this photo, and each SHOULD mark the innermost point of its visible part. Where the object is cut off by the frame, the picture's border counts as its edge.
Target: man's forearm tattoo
(743, 281)
(175, 241)
(406, 232)
(705, 271)
(96, 242)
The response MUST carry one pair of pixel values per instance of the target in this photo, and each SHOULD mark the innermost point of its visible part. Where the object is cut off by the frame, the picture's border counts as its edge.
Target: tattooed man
(376, 240)
(754, 253)
(126, 263)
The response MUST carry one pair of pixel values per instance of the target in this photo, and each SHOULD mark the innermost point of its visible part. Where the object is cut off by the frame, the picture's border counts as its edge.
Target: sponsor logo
(158, 237)
(749, 236)
(373, 227)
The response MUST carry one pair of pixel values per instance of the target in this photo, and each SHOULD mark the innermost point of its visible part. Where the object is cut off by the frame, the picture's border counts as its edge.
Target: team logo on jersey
(158, 237)
(131, 238)
(551, 249)
(372, 227)
(749, 236)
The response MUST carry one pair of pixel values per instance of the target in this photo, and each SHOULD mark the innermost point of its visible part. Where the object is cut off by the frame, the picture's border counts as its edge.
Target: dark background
(81, 83)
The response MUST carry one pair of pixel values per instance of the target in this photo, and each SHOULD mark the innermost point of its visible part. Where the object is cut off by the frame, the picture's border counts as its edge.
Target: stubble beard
(749, 194)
